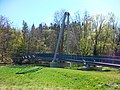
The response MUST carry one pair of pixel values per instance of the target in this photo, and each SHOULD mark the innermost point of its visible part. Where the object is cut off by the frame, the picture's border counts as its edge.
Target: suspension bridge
(109, 61)
(59, 60)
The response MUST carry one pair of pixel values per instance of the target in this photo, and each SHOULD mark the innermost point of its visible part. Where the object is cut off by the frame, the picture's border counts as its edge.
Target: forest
(90, 35)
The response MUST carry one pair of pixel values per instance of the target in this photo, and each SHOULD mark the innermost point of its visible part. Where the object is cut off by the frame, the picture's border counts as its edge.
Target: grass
(42, 78)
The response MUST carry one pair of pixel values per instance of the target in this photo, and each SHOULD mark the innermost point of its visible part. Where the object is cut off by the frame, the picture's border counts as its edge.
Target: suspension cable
(77, 45)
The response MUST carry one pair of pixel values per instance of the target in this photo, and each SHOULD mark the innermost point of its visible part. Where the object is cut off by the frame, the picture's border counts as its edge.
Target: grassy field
(43, 78)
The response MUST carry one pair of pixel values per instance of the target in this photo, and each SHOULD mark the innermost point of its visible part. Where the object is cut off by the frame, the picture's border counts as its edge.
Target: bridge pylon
(55, 62)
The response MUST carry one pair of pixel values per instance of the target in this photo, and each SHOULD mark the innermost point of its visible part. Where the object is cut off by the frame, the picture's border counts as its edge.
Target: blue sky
(38, 11)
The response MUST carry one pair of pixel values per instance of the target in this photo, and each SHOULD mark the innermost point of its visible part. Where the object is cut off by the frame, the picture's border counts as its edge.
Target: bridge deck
(110, 61)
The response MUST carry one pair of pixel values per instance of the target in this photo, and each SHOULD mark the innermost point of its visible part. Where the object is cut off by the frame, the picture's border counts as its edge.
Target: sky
(39, 11)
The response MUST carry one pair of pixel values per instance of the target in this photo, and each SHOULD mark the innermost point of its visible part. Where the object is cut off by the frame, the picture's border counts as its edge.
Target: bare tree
(58, 16)
(98, 22)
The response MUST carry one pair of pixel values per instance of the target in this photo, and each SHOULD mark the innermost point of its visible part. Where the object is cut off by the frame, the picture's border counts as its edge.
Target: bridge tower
(55, 62)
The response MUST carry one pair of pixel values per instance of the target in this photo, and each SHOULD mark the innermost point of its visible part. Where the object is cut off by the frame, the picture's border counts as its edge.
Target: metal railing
(113, 61)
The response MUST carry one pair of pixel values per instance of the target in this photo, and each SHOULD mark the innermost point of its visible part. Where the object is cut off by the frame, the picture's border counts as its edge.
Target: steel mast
(66, 14)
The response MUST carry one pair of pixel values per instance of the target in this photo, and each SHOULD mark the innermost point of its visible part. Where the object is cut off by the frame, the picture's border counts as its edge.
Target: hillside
(37, 78)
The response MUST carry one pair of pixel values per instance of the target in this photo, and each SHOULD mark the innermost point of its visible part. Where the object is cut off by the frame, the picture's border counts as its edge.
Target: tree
(58, 16)
(25, 37)
(32, 39)
(97, 25)
(5, 40)
(17, 44)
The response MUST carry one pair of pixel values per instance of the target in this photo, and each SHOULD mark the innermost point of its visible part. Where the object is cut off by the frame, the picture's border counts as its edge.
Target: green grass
(37, 78)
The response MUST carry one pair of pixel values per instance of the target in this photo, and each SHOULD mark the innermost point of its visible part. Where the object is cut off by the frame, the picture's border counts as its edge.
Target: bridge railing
(77, 58)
